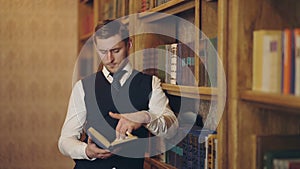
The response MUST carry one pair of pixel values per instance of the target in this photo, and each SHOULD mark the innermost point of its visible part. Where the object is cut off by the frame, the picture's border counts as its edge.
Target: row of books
(175, 63)
(114, 9)
(198, 150)
(282, 159)
(276, 61)
(277, 151)
(149, 4)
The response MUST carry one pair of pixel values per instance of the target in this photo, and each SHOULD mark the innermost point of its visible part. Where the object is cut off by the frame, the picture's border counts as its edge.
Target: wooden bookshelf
(250, 113)
(201, 13)
(247, 113)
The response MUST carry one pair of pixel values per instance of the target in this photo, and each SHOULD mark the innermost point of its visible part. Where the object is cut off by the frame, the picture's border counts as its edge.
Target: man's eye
(103, 51)
(116, 50)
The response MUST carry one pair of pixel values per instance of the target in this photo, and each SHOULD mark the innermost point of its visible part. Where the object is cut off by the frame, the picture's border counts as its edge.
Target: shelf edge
(279, 100)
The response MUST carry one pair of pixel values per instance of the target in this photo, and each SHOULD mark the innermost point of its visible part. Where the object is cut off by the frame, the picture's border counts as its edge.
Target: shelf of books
(186, 79)
(183, 73)
(264, 104)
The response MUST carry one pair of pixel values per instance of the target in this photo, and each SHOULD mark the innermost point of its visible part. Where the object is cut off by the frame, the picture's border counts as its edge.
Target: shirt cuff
(85, 156)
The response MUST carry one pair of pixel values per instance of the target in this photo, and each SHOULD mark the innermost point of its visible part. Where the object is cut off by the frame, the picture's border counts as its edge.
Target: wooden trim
(205, 93)
(222, 129)
(171, 7)
(287, 102)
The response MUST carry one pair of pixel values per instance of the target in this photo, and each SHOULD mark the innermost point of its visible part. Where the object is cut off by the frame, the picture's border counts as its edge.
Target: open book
(102, 142)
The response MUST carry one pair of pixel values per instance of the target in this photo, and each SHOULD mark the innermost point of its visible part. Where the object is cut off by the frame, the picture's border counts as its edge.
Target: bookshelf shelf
(289, 102)
(125, 21)
(155, 163)
(171, 7)
(205, 93)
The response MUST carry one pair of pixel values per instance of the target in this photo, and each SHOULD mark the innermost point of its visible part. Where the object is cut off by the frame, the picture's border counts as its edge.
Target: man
(115, 101)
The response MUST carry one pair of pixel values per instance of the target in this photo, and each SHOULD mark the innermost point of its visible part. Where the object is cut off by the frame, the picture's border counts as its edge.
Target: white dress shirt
(163, 121)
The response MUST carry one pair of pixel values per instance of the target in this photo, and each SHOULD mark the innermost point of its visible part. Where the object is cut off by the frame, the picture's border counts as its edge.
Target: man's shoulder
(142, 75)
(92, 76)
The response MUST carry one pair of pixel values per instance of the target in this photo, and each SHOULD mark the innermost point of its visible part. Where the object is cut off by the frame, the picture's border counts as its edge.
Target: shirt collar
(127, 67)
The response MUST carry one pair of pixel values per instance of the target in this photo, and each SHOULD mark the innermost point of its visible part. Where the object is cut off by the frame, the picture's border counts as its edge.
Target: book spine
(173, 63)
(257, 61)
(287, 61)
(297, 61)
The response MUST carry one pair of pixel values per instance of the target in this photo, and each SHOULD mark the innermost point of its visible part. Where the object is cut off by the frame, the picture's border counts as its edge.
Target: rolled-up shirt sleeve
(69, 143)
(163, 121)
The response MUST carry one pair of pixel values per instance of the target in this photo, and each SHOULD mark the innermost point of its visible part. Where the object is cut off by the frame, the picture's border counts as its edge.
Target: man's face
(112, 52)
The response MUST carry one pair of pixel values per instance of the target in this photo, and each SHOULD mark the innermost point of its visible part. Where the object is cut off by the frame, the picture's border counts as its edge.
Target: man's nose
(109, 56)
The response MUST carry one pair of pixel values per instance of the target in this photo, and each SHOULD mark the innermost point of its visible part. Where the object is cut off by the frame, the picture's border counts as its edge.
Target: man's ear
(129, 44)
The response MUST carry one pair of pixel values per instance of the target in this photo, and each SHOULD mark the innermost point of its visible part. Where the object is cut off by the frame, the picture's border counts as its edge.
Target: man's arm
(69, 143)
(163, 121)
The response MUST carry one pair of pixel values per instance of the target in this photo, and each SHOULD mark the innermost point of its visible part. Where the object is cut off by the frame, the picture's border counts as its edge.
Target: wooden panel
(209, 18)
(38, 50)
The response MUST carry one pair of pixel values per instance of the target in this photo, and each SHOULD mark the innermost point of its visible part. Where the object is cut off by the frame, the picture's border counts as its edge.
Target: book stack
(282, 159)
(277, 151)
(197, 150)
(276, 61)
(175, 63)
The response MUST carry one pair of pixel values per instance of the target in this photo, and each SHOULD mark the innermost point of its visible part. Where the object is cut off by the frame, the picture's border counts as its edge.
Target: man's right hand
(92, 151)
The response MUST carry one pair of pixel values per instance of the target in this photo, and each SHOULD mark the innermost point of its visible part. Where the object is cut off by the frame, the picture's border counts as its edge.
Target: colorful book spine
(287, 62)
(297, 60)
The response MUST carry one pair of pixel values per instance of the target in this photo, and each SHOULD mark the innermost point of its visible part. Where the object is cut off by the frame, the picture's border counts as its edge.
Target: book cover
(102, 142)
(287, 62)
(267, 60)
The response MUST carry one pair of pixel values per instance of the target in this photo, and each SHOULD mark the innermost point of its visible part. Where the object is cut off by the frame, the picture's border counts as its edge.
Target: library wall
(38, 48)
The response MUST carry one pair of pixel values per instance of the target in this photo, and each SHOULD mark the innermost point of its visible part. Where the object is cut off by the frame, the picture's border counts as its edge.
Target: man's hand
(92, 151)
(129, 122)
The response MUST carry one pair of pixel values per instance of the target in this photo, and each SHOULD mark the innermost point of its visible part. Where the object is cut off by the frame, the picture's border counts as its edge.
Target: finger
(90, 141)
(104, 156)
(115, 115)
(118, 128)
(128, 132)
(122, 136)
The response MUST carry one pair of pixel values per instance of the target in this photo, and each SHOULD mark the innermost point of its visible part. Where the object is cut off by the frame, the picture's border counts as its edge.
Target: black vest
(133, 96)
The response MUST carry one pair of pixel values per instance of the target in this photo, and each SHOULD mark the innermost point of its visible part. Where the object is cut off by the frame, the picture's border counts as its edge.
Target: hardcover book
(102, 142)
